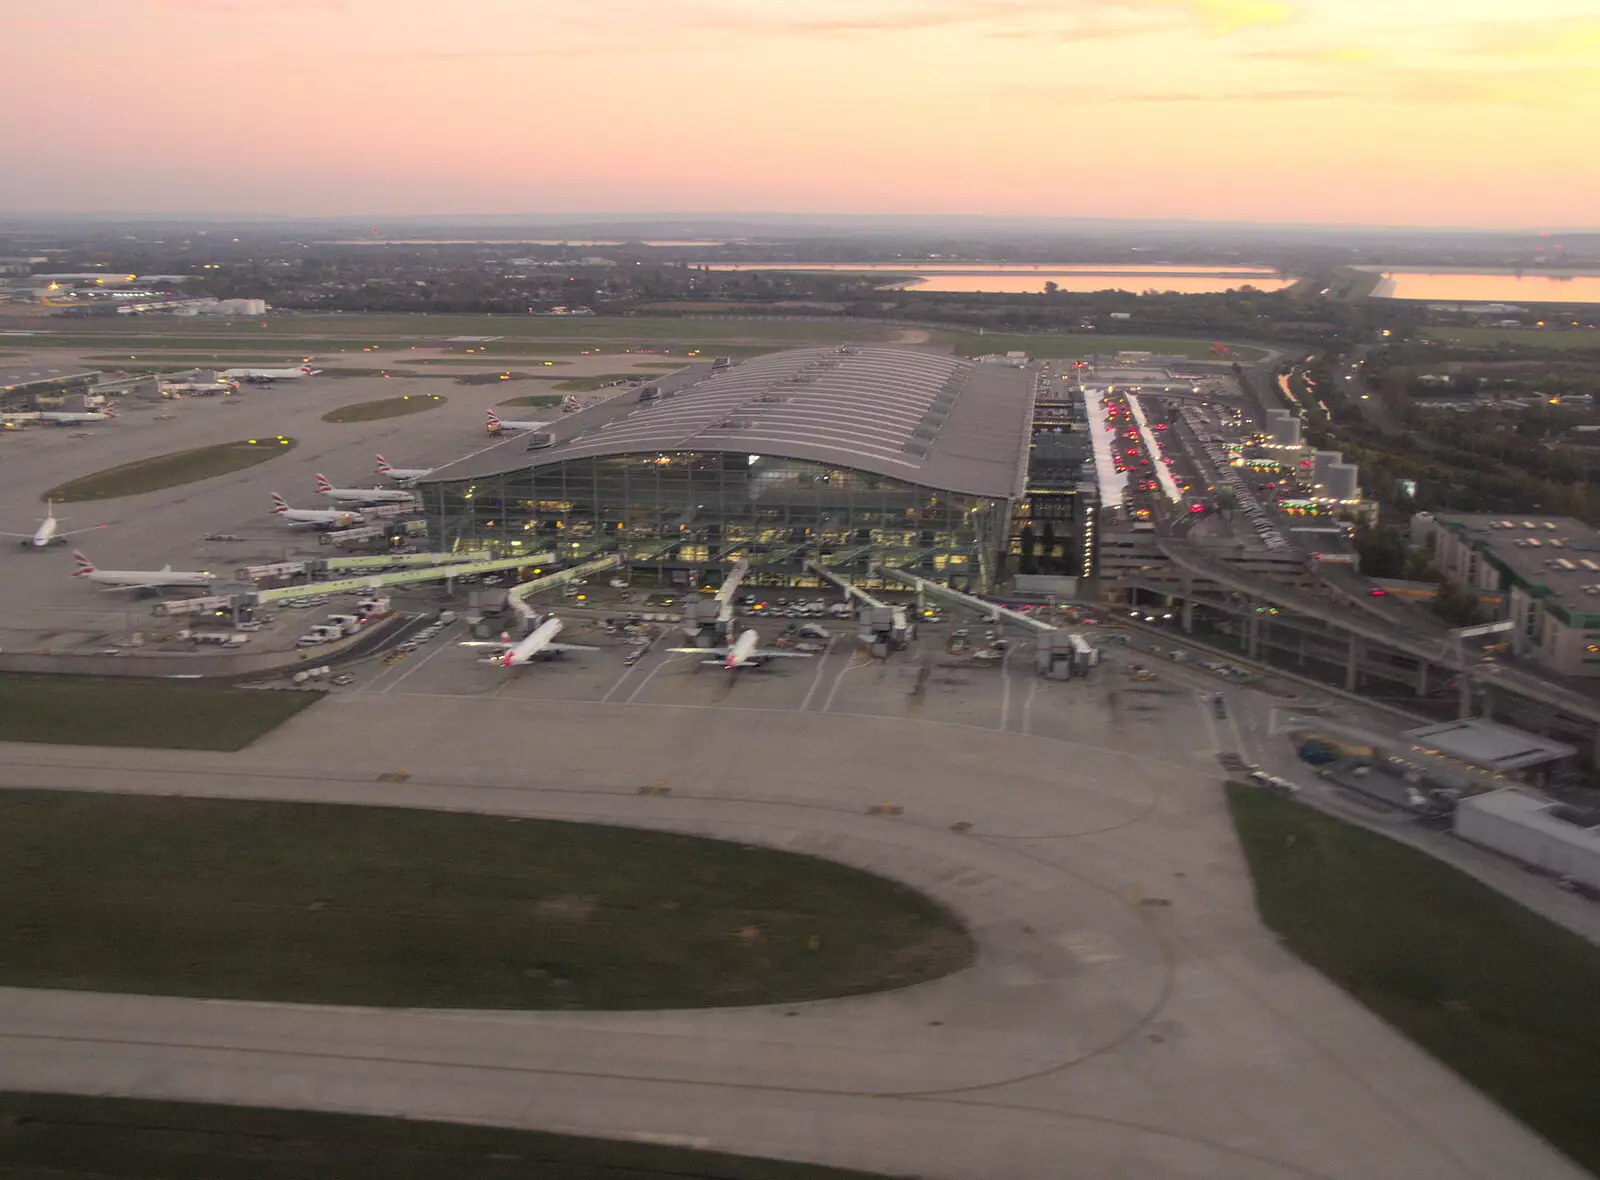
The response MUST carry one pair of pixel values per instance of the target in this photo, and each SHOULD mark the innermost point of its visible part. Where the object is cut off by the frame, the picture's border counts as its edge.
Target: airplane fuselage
(541, 638)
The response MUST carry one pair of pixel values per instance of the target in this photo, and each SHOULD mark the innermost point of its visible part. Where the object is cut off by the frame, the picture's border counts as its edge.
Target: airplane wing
(778, 653)
(74, 532)
(569, 647)
(30, 536)
(719, 652)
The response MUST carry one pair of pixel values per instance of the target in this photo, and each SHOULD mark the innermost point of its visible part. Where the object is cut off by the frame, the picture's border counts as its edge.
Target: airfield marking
(643, 684)
(437, 649)
(833, 690)
(1005, 690)
(816, 679)
(1203, 704)
(1034, 688)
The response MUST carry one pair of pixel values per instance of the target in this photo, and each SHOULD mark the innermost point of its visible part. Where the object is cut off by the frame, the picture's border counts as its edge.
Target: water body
(1010, 278)
(1455, 286)
(699, 242)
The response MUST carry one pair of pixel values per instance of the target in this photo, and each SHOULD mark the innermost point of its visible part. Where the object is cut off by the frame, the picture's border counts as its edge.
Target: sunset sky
(1400, 112)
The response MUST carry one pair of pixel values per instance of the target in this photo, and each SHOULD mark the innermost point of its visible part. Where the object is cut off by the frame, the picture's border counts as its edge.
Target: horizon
(1289, 113)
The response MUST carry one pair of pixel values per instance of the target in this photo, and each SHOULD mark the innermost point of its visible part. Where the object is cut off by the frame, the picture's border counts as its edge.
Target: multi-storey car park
(854, 457)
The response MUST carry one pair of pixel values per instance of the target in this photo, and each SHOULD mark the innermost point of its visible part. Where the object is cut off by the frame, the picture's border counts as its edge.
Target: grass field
(1554, 339)
(388, 407)
(82, 711)
(168, 471)
(1072, 347)
(365, 905)
(63, 1137)
(590, 384)
(533, 399)
(1495, 992)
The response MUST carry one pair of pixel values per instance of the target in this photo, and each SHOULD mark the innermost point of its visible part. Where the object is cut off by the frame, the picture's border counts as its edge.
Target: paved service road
(1127, 1017)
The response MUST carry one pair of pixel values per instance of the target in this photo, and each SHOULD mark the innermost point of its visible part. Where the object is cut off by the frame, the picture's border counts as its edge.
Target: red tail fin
(85, 566)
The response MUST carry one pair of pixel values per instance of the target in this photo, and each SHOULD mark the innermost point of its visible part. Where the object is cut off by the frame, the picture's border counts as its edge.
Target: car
(308, 641)
(408, 645)
(344, 678)
(633, 657)
(247, 626)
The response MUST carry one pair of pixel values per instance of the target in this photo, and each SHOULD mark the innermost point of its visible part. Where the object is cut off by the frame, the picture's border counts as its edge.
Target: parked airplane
(541, 641)
(499, 425)
(362, 495)
(262, 375)
(744, 653)
(73, 417)
(48, 530)
(322, 518)
(402, 474)
(162, 578)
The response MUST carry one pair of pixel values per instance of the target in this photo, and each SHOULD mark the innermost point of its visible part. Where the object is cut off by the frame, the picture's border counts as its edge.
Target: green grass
(316, 903)
(207, 360)
(83, 711)
(64, 1137)
(590, 384)
(1497, 993)
(533, 399)
(388, 407)
(1053, 347)
(169, 471)
(486, 362)
(1554, 339)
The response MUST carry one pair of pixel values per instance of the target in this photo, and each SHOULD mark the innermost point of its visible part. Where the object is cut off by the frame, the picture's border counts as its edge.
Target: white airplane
(322, 518)
(744, 653)
(362, 495)
(541, 641)
(499, 425)
(73, 417)
(159, 579)
(48, 531)
(402, 474)
(304, 370)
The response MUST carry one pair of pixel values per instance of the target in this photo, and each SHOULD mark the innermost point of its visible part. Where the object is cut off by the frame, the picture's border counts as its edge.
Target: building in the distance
(1547, 568)
(32, 387)
(854, 457)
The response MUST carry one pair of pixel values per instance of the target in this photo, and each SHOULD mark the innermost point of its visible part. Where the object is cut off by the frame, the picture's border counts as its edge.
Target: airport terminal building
(852, 457)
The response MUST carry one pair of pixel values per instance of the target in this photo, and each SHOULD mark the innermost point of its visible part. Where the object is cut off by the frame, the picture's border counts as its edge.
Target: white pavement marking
(1005, 689)
(816, 678)
(629, 671)
(1035, 686)
(833, 689)
(1204, 705)
(643, 684)
(400, 678)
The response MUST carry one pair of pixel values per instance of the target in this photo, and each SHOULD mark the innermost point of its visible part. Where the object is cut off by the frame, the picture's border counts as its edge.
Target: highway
(1127, 1016)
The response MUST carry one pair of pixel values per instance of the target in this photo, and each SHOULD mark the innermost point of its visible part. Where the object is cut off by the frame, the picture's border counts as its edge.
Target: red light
(1378, 593)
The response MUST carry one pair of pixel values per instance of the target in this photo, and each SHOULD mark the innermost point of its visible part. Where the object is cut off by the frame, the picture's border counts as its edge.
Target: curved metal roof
(918, 416)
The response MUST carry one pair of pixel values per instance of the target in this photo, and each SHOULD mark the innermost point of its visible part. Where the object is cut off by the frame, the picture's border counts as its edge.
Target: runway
(1127, 1015)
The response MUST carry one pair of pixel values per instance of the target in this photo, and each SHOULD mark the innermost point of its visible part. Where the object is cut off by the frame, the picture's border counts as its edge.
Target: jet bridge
(438, 573)
(990, 610)
(1059, 654)
(518, 596)
(701, 615)
(883, 628)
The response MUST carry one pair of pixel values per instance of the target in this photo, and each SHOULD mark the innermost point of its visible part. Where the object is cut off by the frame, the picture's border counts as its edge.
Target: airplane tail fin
(82, 563)
(383, 466)
(279, 504)
(322, 483)
(493, 417)
(109, 412)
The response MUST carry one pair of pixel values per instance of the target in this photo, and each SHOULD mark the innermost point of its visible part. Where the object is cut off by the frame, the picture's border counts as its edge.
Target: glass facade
(688, 516)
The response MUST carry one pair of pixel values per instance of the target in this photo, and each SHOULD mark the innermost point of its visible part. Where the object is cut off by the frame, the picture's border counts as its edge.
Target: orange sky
(1426, 112)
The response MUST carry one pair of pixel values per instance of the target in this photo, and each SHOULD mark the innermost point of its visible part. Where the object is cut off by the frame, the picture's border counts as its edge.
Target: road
(1127, 1016)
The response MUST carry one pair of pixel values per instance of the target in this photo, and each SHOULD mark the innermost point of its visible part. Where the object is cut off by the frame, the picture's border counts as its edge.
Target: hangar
(851, 456)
